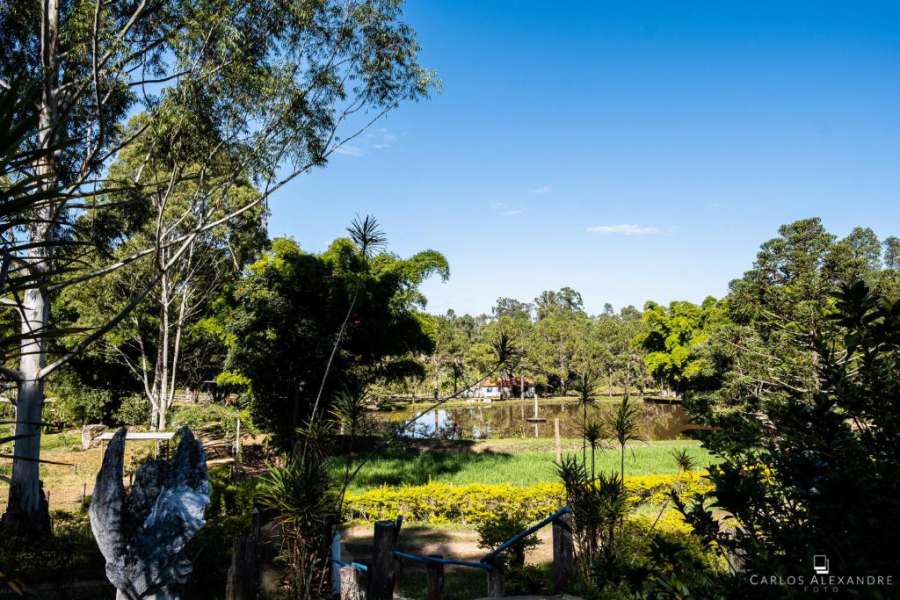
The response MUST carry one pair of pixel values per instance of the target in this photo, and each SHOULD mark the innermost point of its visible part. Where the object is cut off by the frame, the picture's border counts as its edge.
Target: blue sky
(631, 150)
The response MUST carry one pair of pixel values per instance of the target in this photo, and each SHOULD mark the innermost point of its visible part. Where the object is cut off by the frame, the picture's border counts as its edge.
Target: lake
(507, 418)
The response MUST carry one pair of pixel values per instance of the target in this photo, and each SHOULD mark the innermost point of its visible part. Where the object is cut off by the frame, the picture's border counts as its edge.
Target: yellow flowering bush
(438, 503)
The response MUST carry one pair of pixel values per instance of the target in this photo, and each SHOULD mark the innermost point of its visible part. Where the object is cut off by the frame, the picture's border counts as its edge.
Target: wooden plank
(141, 435)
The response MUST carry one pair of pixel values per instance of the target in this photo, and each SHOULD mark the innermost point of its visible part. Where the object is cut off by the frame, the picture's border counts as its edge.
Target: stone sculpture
(143, 533)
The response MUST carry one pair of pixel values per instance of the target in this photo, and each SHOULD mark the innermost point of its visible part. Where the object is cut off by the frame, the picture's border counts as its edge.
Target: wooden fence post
(237, 441)
(558, 441)
(349, 583)
(398, 576)
(434, 573)
(495, 578)
(383, 564)
(242, 580)
(563, 553)
(336, 563)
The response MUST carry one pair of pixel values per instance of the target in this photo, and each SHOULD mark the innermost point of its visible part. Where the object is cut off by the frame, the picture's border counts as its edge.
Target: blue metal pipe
(495, 552)
(355, 565)
(442, 561)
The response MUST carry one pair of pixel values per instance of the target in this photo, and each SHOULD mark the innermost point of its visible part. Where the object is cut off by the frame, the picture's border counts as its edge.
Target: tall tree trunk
(27, 511)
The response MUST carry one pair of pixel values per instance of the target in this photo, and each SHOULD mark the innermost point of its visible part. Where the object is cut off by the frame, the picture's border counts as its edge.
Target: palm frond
(366, 233)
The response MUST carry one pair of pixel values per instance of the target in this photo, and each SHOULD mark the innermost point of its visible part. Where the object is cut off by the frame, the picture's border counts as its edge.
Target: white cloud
(505, 209)
(382, 138)
(625, 229)
(349, 150)
(376, 139)
(540, 191)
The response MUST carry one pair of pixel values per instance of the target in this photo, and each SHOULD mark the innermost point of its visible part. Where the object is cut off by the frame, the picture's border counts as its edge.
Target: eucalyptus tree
(554, 333)
(287, 85)
(892, 253)
(550, 302)
(161, 334)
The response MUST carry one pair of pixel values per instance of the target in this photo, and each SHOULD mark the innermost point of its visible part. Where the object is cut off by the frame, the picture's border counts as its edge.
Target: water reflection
(516, 419)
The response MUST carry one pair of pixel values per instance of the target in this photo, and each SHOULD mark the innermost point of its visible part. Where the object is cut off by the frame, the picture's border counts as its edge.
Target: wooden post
(495, 579)
(434, 573)
(398, 576)
(349, 583)
(558, 440)
(237, 441)
(335, 563)
(382, 567)
(563, 553)
(242, 581)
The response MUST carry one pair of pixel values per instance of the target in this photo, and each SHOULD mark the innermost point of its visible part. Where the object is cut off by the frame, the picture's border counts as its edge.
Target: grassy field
(68, 482)
(519, 462)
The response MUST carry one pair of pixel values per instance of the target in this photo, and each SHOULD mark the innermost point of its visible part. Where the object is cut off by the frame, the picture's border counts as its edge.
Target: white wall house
(491, 389)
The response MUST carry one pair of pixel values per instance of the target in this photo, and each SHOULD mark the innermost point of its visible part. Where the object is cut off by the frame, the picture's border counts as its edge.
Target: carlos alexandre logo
(822, 580)
(820, 564)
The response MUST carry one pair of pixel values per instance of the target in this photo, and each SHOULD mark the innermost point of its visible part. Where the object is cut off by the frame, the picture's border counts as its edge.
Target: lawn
(516, 461)
(67, 483)
(519, 462)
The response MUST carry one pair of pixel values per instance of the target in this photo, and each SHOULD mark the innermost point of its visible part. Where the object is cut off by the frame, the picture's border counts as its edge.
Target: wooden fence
(385, 567)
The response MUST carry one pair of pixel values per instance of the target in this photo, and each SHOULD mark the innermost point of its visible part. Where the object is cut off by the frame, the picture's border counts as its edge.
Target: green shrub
(229, 514)
(439, 503)
(78, 406)
(529, 580)
(495, 529)
(134, 410)
(230, 498)
(216, 420)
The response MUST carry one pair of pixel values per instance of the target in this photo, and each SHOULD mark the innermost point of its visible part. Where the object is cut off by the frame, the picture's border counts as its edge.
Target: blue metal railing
(521, 535)
(434, 560)
(486, 561)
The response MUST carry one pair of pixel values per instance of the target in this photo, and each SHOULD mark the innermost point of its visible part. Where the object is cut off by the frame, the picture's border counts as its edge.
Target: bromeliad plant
(302, 501)
(598, 507)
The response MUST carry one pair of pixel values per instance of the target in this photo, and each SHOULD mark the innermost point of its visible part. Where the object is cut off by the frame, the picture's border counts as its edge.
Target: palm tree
(625, 428)
(592, 433)
(585, 387)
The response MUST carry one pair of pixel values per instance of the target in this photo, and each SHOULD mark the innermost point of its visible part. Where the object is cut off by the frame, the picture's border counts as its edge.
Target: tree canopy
(286, 313)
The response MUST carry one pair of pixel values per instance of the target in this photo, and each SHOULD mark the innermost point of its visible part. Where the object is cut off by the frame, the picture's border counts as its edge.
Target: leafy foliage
(814, 471)
(499, 527)
(134, 410)
(288, 309)
(672, 337)
(440, 503)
